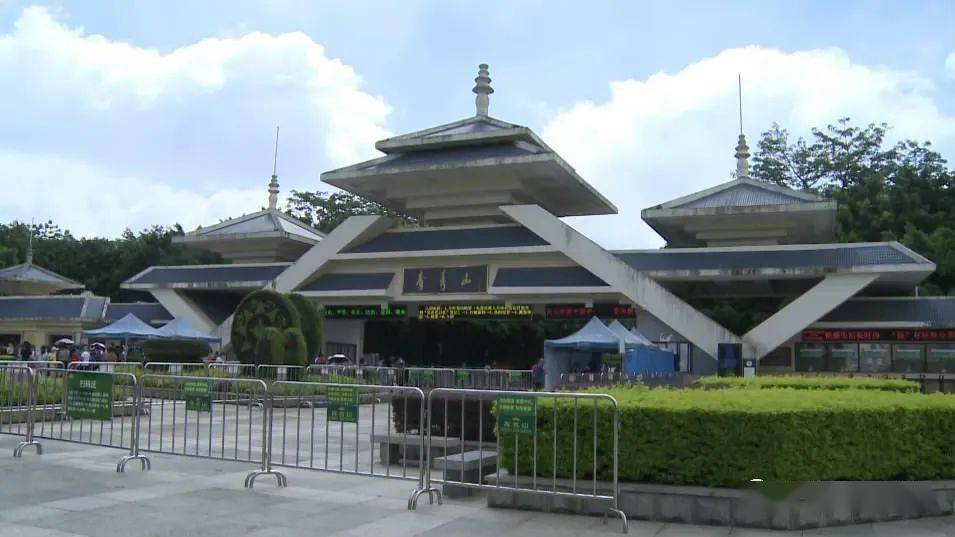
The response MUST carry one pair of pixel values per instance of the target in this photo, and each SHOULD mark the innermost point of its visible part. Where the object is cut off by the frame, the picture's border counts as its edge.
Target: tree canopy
(99, 264)
(326, 210)
(903, 192)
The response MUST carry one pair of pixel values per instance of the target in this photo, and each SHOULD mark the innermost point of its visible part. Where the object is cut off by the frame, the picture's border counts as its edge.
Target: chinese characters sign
(448, 312)
(580, 311)
(920, 334)
(365, 312)
(446, 280)
(198, 395)
(342, 404)
(516, 414)
(89, 396)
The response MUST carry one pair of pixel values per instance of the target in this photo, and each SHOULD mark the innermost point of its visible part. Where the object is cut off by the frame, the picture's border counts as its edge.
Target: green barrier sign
(89, 396)
(198, 395)
(516, 414)
(462, 375)
(342, 404)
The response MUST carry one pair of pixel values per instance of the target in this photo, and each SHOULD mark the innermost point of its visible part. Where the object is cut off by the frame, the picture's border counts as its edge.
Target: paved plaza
(74, 490)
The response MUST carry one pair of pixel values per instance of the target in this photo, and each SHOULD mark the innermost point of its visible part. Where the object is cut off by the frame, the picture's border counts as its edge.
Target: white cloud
(100, 135)
(673, 134)
(950, 64)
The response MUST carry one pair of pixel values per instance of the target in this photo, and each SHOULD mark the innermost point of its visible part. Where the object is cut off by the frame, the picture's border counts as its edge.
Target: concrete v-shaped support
(641, 289)
(822, 298)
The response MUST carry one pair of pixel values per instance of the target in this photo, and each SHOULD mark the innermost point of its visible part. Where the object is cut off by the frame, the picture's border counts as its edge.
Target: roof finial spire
(274, 183)
(29, 260)
(742, 150)
(482, 87)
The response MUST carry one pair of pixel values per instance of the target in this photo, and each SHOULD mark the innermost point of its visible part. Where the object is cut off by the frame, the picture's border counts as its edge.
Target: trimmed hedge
(728, 437)
(311, 324)
(811, 383)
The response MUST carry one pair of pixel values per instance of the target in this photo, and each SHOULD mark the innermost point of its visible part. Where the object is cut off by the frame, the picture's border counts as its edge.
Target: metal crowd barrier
(174, 368)
(88, 407)
(519, 423)
(18, 404)
(374, 375)
(363, 429)
(107, 367)
(271, 373)
(231, 369)
(492, 379)
(211, 418)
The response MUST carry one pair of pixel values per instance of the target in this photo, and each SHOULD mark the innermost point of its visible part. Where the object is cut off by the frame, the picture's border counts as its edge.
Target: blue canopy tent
(579, 351)
(127, 328)
(642, 356)
(180, 329)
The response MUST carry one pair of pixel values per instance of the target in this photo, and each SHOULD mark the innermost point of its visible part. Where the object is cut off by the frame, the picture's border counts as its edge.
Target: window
(843, 357)
(941, 358)
(875, 357)
(810, 357)
(909, 358)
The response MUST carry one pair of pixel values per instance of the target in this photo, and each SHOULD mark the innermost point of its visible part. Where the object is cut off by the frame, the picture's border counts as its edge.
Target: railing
(522, 418)
(557, 444)
(349, 428)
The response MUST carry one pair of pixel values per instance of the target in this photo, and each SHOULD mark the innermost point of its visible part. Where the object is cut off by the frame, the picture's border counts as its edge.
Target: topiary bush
(311, 326)
(257, 311)
(296, 349)
(811, 383)
(270, 348)
(728, 437)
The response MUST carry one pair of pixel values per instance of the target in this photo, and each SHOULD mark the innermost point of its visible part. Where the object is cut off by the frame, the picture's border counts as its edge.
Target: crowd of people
(71, 355)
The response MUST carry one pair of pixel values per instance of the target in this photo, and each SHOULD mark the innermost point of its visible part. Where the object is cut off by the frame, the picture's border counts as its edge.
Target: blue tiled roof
(547, 277)
(349, 282)
(450, 239)
(937, 312)
(450, 156)
(759, 258)
(210, 274)
(147, 312)
(58, 307)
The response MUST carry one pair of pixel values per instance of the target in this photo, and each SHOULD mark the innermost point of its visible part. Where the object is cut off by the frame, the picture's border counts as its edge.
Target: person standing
(537, 374)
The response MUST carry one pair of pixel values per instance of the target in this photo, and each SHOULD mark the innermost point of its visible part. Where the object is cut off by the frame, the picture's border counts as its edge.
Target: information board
(516, 414)
(447, 312)
(897, 335)
(581, 311)
(89, 396)
(365, 312)
(198, 395)
(342, 404)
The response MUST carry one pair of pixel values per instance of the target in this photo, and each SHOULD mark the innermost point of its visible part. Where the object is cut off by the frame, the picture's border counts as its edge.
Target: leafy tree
(902, 192)
(325, 211)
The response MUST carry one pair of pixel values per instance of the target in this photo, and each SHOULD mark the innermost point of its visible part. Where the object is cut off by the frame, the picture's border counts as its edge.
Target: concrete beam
(182, 307)
(351, 231)
(637, 287)
(822, 298)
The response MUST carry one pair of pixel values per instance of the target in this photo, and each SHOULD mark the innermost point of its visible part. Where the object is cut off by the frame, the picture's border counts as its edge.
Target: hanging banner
(89, 396)
(516, 414)
(198, 395)
(342, 404)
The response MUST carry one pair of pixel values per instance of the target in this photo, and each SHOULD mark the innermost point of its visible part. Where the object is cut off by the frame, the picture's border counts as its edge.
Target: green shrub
(296, 349)
(257, 311)
(311, 324)
(811, 383)
(270, 349)
(728, 437)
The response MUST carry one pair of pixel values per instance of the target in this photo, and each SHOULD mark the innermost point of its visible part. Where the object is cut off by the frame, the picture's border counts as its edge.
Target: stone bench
(466, 467)
(397, 447)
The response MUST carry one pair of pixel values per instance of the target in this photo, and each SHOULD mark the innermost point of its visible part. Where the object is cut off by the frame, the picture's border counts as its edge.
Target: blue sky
(108, 99)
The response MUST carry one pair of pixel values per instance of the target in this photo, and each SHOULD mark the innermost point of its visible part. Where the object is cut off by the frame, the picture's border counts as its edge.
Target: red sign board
(580, 311)
(897, 335)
